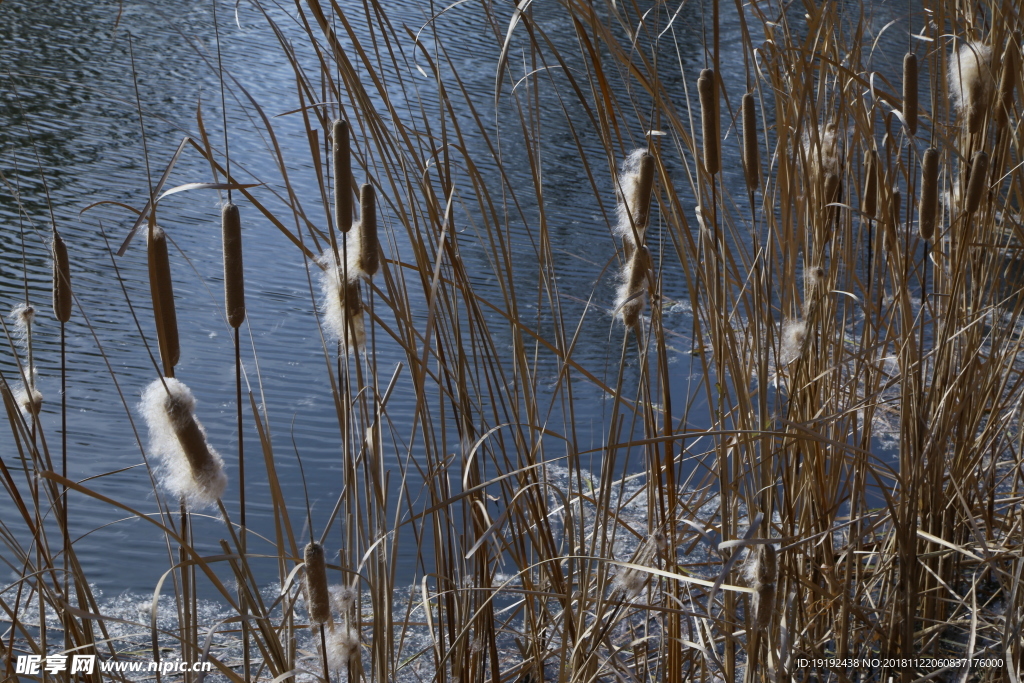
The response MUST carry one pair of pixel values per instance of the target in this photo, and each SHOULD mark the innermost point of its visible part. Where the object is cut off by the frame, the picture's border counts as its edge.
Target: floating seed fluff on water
(910, 92)
(318, 597)
(971, 82)
(234, 274)
(162, 292)
(62, 298)
(341, 305)
(707, 88)
(929, 203)
(189, 467)
(636, 180)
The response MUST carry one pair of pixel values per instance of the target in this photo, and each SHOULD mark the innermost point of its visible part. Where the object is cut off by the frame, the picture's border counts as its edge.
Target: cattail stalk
(318, 598)
(234, 279)
(929, 203)
(751, 153)
(910, 92)
(707, 88)
(342, 176)
(369, 246)
(977, 183)
(162, 292)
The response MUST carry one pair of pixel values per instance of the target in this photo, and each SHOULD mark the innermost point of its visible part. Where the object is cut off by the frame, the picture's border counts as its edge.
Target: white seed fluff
(794, 334)
(342, 646)
(340, 292)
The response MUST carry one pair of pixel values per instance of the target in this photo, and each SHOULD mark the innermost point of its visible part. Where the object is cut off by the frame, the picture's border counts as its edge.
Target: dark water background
(66, 95)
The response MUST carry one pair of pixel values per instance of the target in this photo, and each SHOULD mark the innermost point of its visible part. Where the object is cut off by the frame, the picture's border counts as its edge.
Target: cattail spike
(162, 291)
(707, 88)
(751, 153)
(62, 298)
(234, 276)
(318, 597)
(929, 206)
(369, 247)
(869, 201)
(641, 204)
(910, 92)
(633, 193)
(342, 176)
(970, 83)
(632, 294)
(977, 183)
(1004, 103)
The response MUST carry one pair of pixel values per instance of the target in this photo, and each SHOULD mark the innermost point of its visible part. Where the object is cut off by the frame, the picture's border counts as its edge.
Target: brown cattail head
(977, 183)
(640, 203)
(1004, 102)
(189, 467)
(892, 220)
(61, 280)
(971, 83)
(929, 206)
(162, 291)
(342, 176)
(234, 275)
(318, 598)
(632, 294)
(633, 191)
(869, 201)
(751, 154)
(369, 247)
(910, 92)
(707, 88)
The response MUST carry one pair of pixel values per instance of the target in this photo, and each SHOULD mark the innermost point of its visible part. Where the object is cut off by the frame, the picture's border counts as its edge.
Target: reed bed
(839, 477)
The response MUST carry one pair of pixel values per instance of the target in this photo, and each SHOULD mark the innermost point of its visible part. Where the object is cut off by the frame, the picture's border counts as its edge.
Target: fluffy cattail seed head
(869, 201)
(910, 92)
(369, 247)
(30, 400)
(189, 467)
(62, 298)
(234, 278)
(707, 88)
(342, 176)
(977, 183)
(341, 305)
(794, 336)
(635, 183)
(162, 291)
(318, 598)
(971, 82)
(342, 647)
(751, 153)
(632, 294)
(929, 203)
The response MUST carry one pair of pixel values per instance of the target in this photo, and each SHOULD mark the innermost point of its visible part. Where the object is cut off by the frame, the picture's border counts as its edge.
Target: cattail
(23, 315)
(929, 206)
(823, 161)
(28, 397)
(708, 91)
(751, 153)
(833, 188)
(766, 571)
(910, 92)
(629, 582)
(869, 202)
(318, 598)
(342, 176)
(342, 646)
(1004, 102)
(189, 467)
(970, 83)
(794, 335)
(62, 298)
(632, 294)
(636, 181)
(369, 247)
(341, 305)
(892, 221)
(343, 598)
(234, 276)
(163, 300)
(976, 184)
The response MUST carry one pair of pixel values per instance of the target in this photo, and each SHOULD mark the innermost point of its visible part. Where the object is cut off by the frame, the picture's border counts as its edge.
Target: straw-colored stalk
(707, 88)
(632, 293)
(368, 253)
(342, 176)
(1007, 80)
(635, 184)
(162, 291)
(971, 83)
(189, 467)
(751, 153)
(62, 297)
(928, 208)
(318, 597)
(869, 200)
(910, 92)
(978, 181)
(234, 274)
